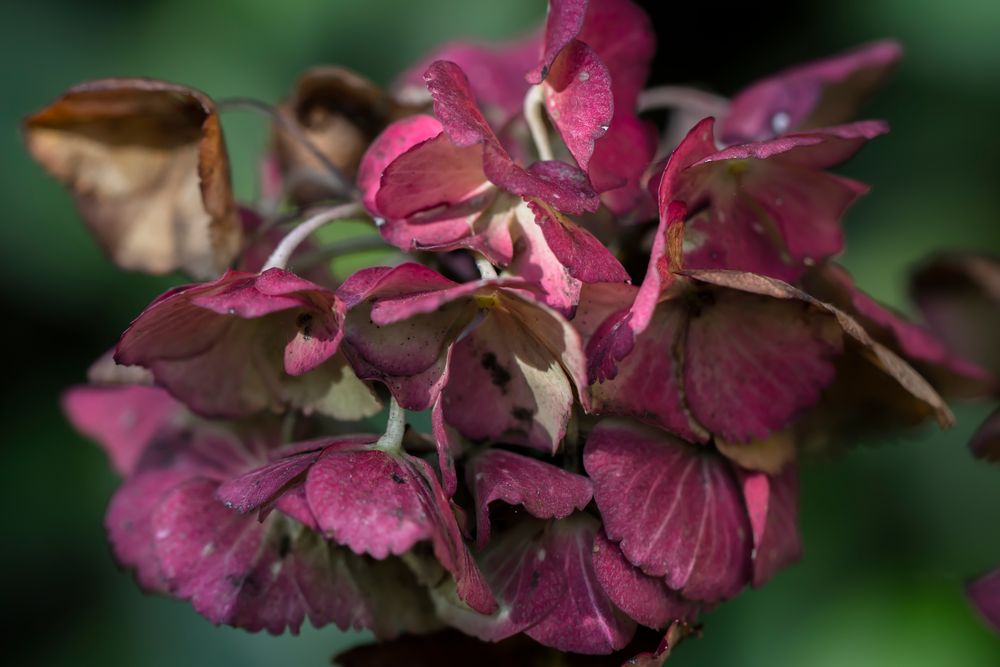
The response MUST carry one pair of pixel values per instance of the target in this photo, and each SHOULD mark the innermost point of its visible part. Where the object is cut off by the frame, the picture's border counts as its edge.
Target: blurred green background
(890, 531)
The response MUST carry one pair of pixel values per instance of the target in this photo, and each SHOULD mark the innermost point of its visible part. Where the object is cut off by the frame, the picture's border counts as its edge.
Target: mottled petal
(528, 584)
(578, 99)
(585, 257)
(585, 620)
(545, 491)
(647, 600)
(675, 508)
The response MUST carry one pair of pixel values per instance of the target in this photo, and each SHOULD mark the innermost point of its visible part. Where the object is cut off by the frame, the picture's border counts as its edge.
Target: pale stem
(392, 439)
(283, 252)
(346, 247)
(486, 269)
(680, 98)
(534, 102)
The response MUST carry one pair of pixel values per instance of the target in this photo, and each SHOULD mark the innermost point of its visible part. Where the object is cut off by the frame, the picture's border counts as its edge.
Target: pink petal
(815, 94)
(616, 339)
(584, 257)
(545, 491)
(645, 599)
(619, 163)
(768, 207)
(585, 620)
(253, 575)
(122, 419)
(565, 20)
(984, 593)
(773, 507)
(496, 72)
(396, 139)
(529, 584)
(380, 504)
(535, 262)
(622, 35)
(752, 363)
(646, 385)
(455, 107)
(129, 524)
(676, 509)
(579, 100)
(197, 340)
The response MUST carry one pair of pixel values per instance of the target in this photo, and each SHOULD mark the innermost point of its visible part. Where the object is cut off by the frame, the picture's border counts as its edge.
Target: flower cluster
(596, 456)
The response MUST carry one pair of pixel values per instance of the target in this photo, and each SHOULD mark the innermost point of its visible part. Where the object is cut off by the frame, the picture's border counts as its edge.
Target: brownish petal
(340, 113)
(147, 166)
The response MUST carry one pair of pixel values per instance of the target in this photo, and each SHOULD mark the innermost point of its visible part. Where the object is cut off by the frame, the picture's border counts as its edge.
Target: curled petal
(147, 166)
(545, 491)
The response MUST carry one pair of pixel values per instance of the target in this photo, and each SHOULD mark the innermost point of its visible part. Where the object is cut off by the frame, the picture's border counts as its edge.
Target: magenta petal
(645, 599)
(563, 187)
(496, 72)
(619, 163)
(262, 486)
(379, 504)
(528, 583)
(623, 37)
(129, 524)
(752, 363)
(646, 384)
(585, 620)
(368, 500)
(395, 140)
(197, 341)
(535, 262)
(545, 491)
(984, 593)
(773, 507)
(822, 92)
(447, 441)
(525, 362)
(768, 207)
(584, 257)
(675, 508)
(616, 338)
(241, 572)
(565, 20)
(986, 441)
(122, 419)
(579, 100)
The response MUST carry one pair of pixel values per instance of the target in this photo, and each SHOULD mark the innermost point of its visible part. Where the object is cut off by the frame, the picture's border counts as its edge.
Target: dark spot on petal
(522, 414)
(397, 479)
(535, 576)
(499, 375)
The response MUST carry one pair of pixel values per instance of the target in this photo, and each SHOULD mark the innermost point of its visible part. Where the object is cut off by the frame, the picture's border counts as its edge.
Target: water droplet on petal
(584, 76)
(780, 122)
